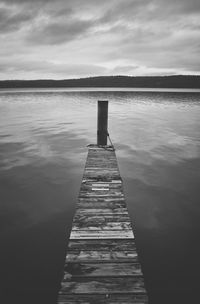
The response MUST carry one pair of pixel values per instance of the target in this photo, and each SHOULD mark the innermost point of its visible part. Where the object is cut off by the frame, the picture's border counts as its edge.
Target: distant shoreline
(97, 90)
(177, 81)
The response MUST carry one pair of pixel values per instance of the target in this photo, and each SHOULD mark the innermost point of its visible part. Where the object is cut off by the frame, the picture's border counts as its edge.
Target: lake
(44, 135)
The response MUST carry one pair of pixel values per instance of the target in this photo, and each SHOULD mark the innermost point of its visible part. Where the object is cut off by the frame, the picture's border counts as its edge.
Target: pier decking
(102, 263)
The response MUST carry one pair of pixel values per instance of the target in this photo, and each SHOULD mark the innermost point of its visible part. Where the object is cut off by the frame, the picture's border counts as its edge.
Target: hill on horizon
(175, 81)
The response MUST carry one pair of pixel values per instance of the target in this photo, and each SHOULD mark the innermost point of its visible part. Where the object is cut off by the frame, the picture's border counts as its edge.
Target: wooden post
(102, 124)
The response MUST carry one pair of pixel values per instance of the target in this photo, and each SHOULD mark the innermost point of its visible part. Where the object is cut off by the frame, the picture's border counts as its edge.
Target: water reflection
(43, 139)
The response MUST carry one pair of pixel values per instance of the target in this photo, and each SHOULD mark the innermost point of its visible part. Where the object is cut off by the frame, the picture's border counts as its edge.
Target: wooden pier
(102, 263)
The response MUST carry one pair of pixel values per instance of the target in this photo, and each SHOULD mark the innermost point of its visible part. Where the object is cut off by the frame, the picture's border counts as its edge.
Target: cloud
(11, 21)
(51, 22)
(181, 6)
(22, 2)
(124, 69)
(59, 32)
(13, 67)
(76, 37)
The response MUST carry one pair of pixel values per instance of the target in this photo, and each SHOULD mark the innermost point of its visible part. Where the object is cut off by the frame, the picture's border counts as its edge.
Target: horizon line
(104, 76)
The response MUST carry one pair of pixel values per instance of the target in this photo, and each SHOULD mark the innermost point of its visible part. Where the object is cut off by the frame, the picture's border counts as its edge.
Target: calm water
(43, 139)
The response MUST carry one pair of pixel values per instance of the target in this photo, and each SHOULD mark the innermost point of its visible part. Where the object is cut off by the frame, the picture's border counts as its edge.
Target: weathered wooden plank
(103, 193)
(100, 159)
(104, 163)
(101, 225)
(112, 182)
(103, 285)
(115, 188)
(99, 211)
(97, 255)
(102, 211)
(101, 177)
(105, 166)
(101, 185)
(100, 195)
(102, 172)
(103, 299)
(103, 245)
(100, 155)
(102, 269)
(103, 158)
(101, 199)
(104, 234)
(88, 185)
(101, 205)
(107, 217)
(100, 189)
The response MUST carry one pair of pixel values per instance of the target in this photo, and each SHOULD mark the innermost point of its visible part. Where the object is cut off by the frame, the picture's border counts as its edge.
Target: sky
(82, 38)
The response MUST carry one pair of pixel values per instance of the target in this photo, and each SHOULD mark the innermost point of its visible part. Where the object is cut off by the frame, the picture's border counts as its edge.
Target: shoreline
(99, 89)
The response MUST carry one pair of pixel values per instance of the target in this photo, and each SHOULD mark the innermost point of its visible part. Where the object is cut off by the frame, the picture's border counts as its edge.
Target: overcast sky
(78, 38)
